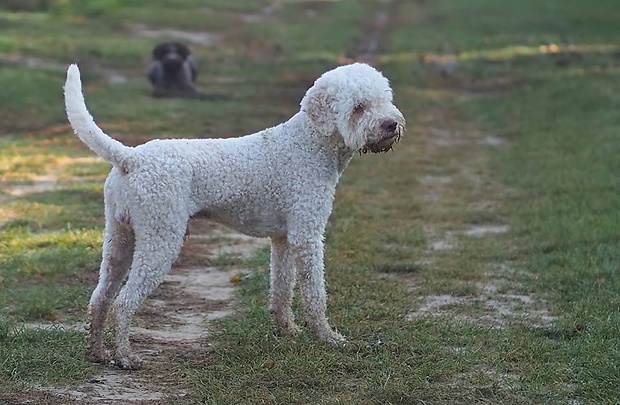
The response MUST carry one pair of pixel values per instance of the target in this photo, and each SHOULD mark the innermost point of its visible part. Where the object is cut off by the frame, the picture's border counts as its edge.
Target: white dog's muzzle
(391, 132)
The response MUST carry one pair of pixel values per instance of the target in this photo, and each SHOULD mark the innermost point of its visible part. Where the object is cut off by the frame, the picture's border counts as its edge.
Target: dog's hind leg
(116, 259)
(282, 280)
(156, 248)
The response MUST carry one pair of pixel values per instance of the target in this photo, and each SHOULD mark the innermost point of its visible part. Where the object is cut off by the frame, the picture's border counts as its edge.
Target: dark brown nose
(389, 125)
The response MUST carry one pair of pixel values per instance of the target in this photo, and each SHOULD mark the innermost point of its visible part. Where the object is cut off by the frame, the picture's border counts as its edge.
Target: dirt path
(172, 326)
(370, 47)
(466, 153)
(450, 145)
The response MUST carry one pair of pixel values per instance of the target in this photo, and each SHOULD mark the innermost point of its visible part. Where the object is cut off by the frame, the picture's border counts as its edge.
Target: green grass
(564, 126)
(44, 275)
(41, 356)
(553, 179)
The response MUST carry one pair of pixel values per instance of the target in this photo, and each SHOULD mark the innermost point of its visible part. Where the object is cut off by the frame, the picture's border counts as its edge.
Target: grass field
(477, 263)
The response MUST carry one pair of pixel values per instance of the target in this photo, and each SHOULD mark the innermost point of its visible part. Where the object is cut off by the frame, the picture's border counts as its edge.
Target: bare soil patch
(499, 297)
(170, 330)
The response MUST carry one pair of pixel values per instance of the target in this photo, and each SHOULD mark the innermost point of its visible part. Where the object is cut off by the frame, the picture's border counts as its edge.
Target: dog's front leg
(309, 259)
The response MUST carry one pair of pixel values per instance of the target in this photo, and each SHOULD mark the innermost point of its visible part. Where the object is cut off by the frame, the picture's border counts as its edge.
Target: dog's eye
(358, 109)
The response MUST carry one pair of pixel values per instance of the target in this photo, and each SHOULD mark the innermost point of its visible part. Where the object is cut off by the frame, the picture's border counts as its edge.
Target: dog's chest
(253, 221)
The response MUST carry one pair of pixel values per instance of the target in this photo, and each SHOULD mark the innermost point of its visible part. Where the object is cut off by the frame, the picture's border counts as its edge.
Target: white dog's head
(356, 102)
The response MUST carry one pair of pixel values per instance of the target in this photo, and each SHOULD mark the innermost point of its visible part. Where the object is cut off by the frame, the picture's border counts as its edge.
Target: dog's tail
(84, 126)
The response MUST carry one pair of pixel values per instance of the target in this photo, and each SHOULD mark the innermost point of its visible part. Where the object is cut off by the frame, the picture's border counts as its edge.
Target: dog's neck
(344, 153)
(330, 144)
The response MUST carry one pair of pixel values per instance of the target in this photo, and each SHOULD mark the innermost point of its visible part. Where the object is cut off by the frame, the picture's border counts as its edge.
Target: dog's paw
(288, 329)
(330, 337)
(97, 355)
(131, 362)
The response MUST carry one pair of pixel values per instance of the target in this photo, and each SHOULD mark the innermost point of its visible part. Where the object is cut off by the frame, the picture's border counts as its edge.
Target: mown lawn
(513, 124)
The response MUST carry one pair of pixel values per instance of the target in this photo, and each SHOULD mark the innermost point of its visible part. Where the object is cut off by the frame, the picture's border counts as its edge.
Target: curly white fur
(276, 183)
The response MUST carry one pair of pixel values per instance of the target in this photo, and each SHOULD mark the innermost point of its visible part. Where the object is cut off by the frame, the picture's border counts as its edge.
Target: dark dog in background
(173, 72)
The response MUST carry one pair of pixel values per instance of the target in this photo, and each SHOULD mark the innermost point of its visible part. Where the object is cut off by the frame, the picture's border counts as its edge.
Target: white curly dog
(277, 183)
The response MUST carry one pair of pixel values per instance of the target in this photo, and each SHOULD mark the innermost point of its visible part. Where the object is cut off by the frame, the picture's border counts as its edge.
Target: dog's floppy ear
(328, 112)
(317, 103)
(160, 50)
(182, 50)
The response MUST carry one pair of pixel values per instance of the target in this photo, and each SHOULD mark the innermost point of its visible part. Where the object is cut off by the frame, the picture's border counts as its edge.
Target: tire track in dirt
(370, 48)
(500, 291)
